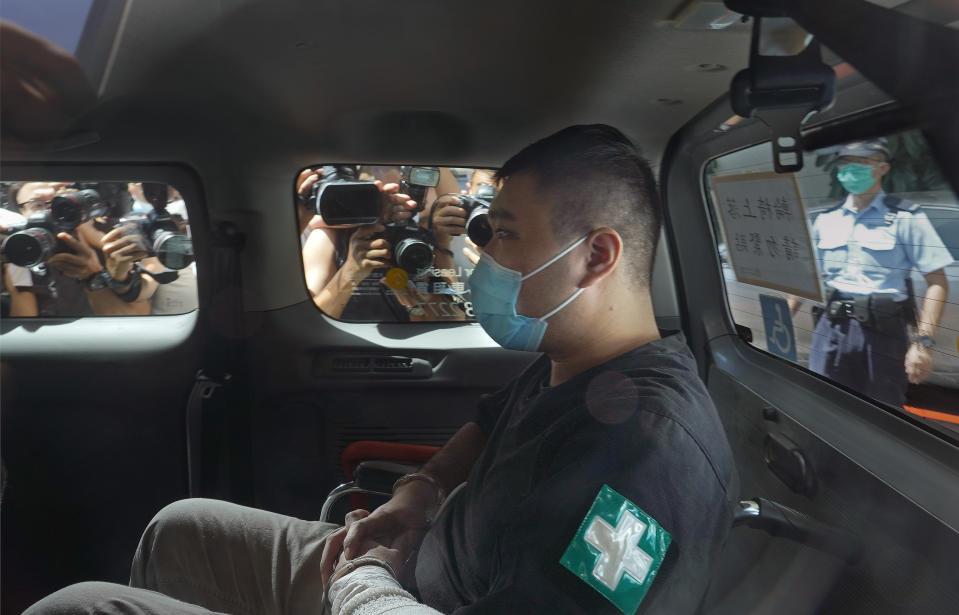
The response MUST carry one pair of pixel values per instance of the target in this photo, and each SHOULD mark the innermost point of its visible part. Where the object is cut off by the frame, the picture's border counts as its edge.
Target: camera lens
(174, 251)
(477, 226)
(70, 210)
(29, 247)
(414, 255)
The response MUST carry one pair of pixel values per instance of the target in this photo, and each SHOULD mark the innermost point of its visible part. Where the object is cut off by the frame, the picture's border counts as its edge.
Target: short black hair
(596, 177)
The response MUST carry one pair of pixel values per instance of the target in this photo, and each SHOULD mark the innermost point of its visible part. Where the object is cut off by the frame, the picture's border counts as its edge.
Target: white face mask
(494, 290)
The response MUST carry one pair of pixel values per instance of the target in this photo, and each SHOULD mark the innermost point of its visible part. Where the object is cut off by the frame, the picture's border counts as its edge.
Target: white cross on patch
(619, 551)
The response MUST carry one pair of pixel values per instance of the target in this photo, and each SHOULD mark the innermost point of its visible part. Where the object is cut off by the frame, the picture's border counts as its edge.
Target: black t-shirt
(641, 423)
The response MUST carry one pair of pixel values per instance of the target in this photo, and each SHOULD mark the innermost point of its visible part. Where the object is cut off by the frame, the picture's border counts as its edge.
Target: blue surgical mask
(494, 290)
(856, 177)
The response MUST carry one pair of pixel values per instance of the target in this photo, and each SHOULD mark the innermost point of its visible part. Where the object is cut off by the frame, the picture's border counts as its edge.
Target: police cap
(865, 149)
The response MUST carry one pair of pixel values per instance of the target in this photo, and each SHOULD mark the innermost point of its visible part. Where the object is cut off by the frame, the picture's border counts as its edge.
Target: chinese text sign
(767, 238)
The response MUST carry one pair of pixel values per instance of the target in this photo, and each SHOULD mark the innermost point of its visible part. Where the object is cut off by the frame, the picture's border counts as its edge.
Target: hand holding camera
(448, 219)
(122, 247)
(456, 214)
(36, 240)
(78, 260)
(397, 207)
(155, 234)
(368, 251)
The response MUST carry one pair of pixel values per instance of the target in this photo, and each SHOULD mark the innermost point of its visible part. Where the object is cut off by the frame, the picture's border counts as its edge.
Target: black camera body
(477, 205)
(35, 241)
(114, 196)
(159, 235)
(342, 200)
(416, 181)
(412, 248)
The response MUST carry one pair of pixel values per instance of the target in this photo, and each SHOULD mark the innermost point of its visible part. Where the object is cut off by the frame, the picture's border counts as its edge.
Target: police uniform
(866, 258)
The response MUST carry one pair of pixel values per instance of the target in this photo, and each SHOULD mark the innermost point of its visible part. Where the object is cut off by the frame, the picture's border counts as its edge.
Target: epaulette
(894, 203)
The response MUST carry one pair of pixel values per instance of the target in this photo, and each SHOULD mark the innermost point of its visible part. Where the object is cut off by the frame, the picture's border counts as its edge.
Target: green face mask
(856, 177)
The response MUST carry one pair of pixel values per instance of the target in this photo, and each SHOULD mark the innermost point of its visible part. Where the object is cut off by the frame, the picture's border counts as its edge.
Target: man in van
(598, 481)
(867, 247)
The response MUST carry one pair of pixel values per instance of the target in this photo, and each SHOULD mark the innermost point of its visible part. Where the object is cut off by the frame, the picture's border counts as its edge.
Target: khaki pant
(202, 556)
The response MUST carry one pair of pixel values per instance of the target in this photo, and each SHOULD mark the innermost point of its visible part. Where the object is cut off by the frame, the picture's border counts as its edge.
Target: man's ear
(605, 249)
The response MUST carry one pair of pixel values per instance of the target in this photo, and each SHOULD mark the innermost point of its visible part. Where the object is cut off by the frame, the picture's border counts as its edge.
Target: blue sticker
(780, 339)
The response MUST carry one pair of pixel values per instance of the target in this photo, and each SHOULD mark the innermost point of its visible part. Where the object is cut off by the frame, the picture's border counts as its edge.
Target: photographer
(78, 280)
(341, 264)
(432, 306)
(107, 282)
(18, 300)
(449, 218)
(161, 207)
(53, 293)
(339, 260)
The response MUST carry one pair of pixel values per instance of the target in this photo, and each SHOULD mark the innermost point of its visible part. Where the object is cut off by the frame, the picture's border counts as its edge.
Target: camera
(478, 228)
(416, 181)
(413, 245)
(35, 241)
(341, 200)
(114, 196)
(412, 248)
(158, 234)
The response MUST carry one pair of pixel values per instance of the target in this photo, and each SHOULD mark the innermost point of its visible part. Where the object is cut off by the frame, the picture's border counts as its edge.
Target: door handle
(787, 461)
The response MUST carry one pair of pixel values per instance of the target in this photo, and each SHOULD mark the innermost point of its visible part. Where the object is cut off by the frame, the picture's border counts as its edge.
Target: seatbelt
(208, 407)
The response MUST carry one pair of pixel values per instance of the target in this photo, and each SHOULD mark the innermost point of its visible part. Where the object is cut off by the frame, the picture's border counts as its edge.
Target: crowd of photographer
(103, 248)
(378, 241)
(379, 244)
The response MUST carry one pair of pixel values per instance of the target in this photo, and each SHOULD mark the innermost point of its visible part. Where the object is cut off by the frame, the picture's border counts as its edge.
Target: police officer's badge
(618, 550)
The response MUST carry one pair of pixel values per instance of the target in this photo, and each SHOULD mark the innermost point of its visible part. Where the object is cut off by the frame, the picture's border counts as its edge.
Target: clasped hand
(393, 533)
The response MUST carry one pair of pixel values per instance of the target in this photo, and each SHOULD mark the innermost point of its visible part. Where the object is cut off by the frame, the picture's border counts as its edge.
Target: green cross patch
(618, 550)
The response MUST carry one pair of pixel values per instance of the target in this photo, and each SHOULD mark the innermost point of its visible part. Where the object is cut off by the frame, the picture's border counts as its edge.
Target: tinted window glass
(862, 286)
(392, 243)
(95, 249)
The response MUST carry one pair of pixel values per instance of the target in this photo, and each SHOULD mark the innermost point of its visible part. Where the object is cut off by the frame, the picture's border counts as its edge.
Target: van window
(392, 243)
(848, 267)
(74, 249)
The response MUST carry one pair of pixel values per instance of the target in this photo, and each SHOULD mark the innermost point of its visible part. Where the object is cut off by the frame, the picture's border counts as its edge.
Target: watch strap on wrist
(923, 340)
(133, 292)
(97, 281)
(116, 284)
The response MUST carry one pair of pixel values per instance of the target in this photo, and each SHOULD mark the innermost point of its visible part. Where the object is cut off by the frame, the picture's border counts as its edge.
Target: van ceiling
(390, 81)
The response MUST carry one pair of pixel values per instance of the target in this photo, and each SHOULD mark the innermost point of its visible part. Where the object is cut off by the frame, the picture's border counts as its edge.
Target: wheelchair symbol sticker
(780, 338)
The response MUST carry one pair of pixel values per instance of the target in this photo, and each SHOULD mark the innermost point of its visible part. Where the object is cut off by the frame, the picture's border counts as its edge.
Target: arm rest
(364, 450)
(379, 475)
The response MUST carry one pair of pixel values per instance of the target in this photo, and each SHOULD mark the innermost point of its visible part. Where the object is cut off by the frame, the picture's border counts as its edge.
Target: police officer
(867, 247)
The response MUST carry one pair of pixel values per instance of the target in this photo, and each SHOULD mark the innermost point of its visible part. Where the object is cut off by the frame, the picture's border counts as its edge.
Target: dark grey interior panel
(298, 346)
(319, 385)
(901, 569)
(298, 440)
(914, 461)
(93, 449)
